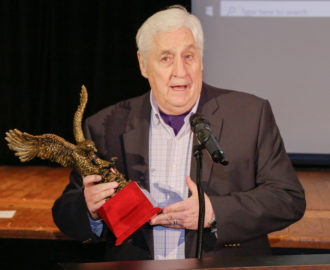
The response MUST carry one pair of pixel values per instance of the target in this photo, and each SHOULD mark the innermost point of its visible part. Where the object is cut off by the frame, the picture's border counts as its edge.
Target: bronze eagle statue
(81, 156)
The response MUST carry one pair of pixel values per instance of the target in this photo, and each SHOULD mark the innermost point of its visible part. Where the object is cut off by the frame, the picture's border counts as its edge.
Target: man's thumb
(191, 185)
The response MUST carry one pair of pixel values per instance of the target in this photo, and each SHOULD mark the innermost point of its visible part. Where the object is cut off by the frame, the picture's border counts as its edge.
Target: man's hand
(184, 214)
(95, 195)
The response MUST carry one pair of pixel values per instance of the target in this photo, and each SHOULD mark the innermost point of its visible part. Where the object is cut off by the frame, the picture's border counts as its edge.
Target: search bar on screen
(274, 8)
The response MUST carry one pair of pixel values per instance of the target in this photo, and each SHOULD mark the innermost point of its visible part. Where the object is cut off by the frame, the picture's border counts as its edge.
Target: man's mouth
(179, 87)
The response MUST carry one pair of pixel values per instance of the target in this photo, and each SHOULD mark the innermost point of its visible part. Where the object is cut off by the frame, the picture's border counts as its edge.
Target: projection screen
(280, 51)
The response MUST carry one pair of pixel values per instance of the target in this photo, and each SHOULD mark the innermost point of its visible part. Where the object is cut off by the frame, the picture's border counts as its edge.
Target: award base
(127, 211)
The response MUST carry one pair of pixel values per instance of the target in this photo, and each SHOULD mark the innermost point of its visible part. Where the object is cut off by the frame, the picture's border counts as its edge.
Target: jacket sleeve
(276, 200)
(70, 211)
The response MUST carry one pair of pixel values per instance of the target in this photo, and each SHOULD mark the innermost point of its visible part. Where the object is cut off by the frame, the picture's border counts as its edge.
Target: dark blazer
(257, 193)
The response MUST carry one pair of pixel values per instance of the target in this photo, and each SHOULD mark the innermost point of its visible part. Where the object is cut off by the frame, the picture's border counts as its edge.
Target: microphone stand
(201, 128)
(198, 156)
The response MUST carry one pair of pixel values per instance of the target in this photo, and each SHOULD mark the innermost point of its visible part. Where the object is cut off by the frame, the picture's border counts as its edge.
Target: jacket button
(232, 245)
(88, 241)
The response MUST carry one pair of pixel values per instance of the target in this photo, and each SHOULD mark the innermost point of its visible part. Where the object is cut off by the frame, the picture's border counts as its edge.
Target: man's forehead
(171, 50)
(170, 38)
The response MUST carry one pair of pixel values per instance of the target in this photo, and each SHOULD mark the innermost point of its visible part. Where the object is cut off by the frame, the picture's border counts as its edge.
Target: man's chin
(178, 109)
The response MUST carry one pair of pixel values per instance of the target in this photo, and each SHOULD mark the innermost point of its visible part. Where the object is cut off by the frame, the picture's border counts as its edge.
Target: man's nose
(179, 68)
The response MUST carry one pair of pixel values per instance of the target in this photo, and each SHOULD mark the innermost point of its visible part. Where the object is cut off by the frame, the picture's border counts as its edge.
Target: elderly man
(257, 193)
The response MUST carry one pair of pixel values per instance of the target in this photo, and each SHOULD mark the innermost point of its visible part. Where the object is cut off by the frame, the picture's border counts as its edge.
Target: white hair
(168, 20)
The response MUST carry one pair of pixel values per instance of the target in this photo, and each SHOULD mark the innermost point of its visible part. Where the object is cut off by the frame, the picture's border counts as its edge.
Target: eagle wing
(46, 146)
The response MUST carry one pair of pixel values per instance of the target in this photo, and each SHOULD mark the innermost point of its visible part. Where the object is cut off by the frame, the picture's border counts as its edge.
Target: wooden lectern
(301, 262)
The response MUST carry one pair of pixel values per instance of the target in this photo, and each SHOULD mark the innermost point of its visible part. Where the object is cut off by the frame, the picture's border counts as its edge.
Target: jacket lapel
(136, 143)
(209, 108)
(136, 149)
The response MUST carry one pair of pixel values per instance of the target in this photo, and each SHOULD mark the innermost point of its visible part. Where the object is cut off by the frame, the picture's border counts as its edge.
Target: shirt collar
(155, 115)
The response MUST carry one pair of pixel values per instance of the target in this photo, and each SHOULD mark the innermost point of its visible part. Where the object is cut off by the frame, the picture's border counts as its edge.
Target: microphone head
(197, 119)
(218, 157)
(201, 128)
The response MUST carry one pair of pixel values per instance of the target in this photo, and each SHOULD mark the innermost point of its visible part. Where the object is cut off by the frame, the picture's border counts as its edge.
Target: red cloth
(127, 211)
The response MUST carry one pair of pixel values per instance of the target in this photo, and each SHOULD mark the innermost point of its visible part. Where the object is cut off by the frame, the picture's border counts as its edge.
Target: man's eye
(165, 59)
(189, 56)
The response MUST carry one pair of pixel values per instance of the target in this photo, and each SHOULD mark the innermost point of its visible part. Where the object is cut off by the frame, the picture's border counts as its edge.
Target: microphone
(201, 127)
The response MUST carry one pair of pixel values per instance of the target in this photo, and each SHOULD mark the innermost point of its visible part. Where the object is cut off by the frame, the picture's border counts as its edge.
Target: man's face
(174, 70)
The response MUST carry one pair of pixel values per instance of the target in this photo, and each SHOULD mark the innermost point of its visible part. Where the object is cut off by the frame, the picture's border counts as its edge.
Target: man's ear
(143, 68)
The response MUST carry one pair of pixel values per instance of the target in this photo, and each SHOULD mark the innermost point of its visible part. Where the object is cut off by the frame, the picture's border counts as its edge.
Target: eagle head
(87, 147)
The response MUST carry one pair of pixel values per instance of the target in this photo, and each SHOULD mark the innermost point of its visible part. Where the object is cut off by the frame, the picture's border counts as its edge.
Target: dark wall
(50, 48)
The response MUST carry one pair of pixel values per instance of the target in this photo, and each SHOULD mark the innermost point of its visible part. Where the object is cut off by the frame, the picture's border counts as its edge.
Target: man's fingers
(166, 220)
(91, 179)
(175, 207)
(96, 206)
(100, 196)
(161, 219)
(101, 191)
(96, 195)
(157, 219)
(104, 186)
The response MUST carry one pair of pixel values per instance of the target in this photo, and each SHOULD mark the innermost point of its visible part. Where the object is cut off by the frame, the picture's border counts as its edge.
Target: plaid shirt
(170, 158)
